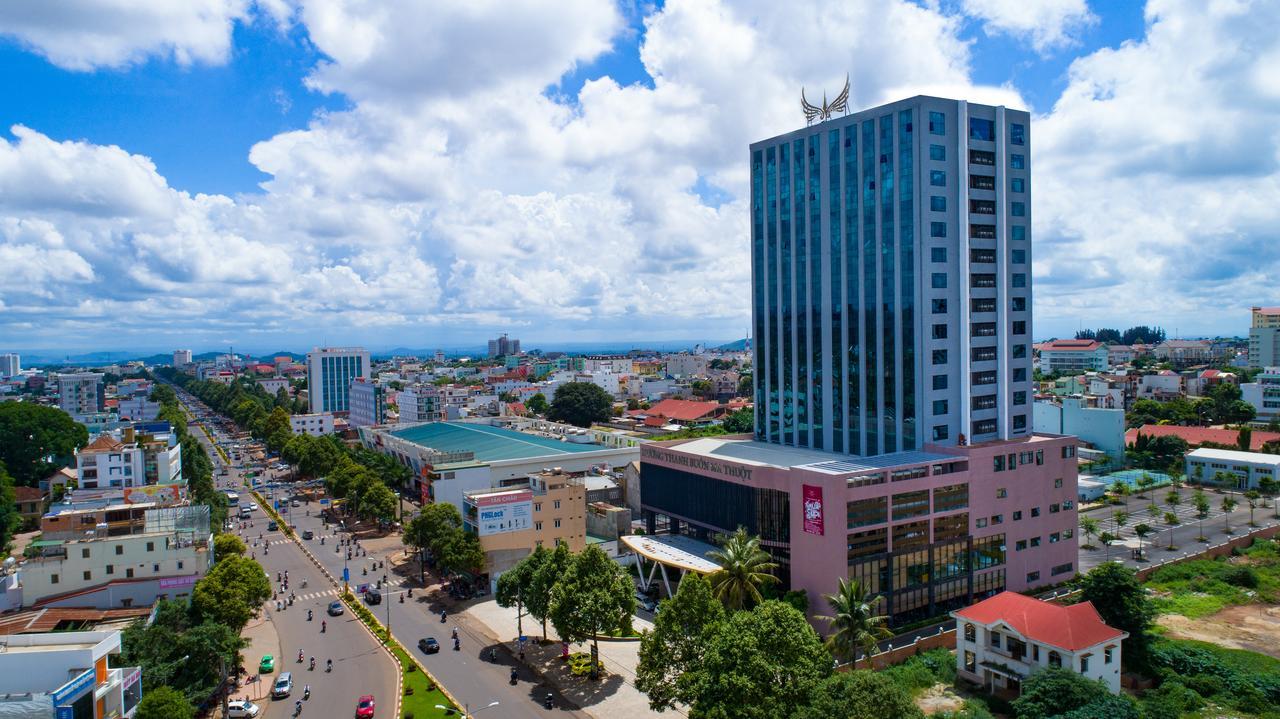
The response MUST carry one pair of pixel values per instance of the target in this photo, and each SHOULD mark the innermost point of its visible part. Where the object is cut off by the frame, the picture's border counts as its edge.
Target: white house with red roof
(1005, 639)
(1072, 356)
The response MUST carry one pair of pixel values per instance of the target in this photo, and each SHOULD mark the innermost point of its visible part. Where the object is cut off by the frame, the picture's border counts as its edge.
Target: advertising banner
(812, 509)
(506, 512)
(157, 493)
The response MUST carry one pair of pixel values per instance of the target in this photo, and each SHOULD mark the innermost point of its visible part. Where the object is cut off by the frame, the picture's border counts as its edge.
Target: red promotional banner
(812, 509)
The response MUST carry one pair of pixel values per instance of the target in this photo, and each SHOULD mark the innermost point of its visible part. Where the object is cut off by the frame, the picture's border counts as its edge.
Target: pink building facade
(930, 530)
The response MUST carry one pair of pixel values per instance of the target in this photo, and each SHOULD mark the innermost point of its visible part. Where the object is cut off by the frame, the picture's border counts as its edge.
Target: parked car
(308, 534)
(429, 645)
(335, 609)
(364, 707)
(267, 665)
(283, 686)
(643, 601)
(242, 709)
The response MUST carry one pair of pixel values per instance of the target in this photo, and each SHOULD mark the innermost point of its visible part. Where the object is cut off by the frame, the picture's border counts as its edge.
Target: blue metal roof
(490, 444)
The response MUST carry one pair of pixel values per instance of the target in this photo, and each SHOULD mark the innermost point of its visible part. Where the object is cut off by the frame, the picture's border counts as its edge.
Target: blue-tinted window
(939, 356)
(980, 129)
(1019, 304)
(1018, 209)
(937, 203)
(939, 280)
(1019, 257)
(1019, 397)
(1018, 184)
(1018, 162)
(937, 124)
(1020, 374)
(1020, 421)
(1017, 134)
(939, 381)
(938, 254)
(1019, 232)
(940, 332)
(937, 229)
(938, 178)
(1019, 326)
(1019, 351)
(940, 432)
(939, 406)
(1019, 279)
(937, 152)
(939, 305)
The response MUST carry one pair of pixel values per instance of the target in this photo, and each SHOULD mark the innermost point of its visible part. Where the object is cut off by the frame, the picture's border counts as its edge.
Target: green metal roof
(489, 443)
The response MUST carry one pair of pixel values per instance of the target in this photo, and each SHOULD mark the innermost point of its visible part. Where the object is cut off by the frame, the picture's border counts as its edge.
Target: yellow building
(512, 521)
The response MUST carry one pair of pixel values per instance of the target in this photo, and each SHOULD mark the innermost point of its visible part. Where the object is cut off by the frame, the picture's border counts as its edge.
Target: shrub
(1241, 577)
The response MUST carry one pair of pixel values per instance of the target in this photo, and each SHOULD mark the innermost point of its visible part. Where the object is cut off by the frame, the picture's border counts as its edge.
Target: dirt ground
(939, 698)
(1255, 627)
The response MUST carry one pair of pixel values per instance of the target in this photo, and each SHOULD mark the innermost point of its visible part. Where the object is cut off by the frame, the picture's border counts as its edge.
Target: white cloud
(1044, 24)
(90, 34)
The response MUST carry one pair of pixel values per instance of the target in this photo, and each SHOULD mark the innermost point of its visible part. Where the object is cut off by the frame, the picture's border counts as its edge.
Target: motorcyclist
(328, 665)
(455, 632)
(443, 615)
(513, 675)
(313, 663)
(306, 692)
(300, 654)
(297, 707)
(457, 644)
(323, 624)
(308, 615)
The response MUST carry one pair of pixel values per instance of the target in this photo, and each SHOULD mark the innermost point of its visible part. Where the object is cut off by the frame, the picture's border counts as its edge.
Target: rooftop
(749, 451)
(1233, 455)
(673, 550)
(1200, 435)
(490, 444)
(1071, 345)
(1073, 627)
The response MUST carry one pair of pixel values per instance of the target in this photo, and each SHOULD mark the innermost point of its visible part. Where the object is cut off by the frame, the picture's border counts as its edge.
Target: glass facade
(334, 380)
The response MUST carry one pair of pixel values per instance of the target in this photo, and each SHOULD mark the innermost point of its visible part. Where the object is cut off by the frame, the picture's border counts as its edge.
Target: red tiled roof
(104, 443)
(1071, 345)
(685, 410)
(1196, 436)
(27, 494)
(1073, 627)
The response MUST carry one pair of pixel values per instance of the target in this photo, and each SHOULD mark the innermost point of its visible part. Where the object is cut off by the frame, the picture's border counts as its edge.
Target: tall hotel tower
(891, 278)
(890, 262)
(329, 374)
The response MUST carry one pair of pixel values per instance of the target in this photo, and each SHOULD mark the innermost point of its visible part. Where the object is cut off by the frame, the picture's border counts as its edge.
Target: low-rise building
(1232, 468)
(368, 403)
(317, 424)
(1264, 394)
(272, 385)
(138, 409)
(686, 365)
(29, 503)
(1002, 641)
(511, 522)
(66, 674)
(1074, 356)
(420, 404)
(1163, 385)
(1101, 428)
(682, 412)
(1184, 353)
(147, 453)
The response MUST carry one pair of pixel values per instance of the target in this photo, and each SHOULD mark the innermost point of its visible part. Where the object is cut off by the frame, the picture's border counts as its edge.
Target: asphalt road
(360, 665)
(467, 673)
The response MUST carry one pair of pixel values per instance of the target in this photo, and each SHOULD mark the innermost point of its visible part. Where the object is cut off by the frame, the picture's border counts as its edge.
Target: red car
(364, 707)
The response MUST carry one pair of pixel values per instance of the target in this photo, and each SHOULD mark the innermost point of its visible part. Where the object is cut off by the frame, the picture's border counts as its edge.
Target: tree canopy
(594, 596)
(581, 404)
(862, 694)
(164, 703)
(1055, 691)
(1121, 602)
(36, 441)
(9, 517)
(231, 592)
(676, 645)
(744, 568)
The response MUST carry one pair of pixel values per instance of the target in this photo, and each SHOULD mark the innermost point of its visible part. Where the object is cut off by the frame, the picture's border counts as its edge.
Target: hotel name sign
(697, 463)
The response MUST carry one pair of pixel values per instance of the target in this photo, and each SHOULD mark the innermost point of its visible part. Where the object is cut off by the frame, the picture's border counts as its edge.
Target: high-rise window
(1019, 397)
(939, 280)
(982, 207)
(937, 229)
(939, 305)
(1019, 351)
(1019, 326)
(937, 152)
(939, 381)
(938, 254)
(980, 129)
(1018, 209)
(1019, 304)
(1017, 162)
(1017, 134)
(1019, 257)
(940, 332)
(938, 178)
(937, 203)
(937, 124)
(1017, 184)
(939, 407)
(982, 182)
(939, 357)
(940, 432)
(982, 304)
(1018, 232)
(982, 157)
(1019, 279)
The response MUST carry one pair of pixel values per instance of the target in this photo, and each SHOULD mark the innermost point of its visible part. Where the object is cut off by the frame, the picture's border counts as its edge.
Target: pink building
(931, 530)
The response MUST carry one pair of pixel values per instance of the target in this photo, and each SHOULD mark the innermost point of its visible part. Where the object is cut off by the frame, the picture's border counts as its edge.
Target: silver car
(283, 687)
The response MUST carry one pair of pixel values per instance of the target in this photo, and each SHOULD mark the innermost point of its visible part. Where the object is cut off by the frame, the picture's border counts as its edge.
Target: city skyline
(338, 193)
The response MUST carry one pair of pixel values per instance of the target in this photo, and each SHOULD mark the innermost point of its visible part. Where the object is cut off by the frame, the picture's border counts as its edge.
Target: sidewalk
(262, 638)
(612, 697)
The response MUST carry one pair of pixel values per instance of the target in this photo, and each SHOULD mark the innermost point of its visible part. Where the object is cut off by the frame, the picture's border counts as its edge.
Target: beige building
(512, 521)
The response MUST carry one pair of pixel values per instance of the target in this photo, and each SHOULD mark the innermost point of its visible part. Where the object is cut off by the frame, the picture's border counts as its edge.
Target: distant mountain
(738, 346)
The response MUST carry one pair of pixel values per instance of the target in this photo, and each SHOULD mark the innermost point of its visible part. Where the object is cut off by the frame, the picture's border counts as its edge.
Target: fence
(1217, 550)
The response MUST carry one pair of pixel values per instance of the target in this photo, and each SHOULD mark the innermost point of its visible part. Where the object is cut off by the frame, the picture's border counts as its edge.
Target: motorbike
(493, 655)
(402, 599)
(312, 666)
(549, 701)
(328, 667)
(322, 626)
(457, 644)
(443, 616)
(306, 692)
(299, 656)
(513, 676)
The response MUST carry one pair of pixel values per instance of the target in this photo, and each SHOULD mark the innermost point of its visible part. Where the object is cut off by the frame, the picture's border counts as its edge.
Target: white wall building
(420, 404)
(686, 365)
(272, 385)
(1005, 639)
(617, 364)
(1264, 394)
(66, 674)
(80, 393)
(181, 358)
(1165, 384)
(1247, 469)
(138, 409)
(316, 424)
(329, 374)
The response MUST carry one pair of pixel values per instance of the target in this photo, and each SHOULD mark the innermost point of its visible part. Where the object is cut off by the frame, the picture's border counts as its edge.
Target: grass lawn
(1206, 586)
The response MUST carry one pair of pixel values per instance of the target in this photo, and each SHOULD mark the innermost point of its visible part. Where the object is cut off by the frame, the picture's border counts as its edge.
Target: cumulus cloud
(90, 34)
(1044, 24)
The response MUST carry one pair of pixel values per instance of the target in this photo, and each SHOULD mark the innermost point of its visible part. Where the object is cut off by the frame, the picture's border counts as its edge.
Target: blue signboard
(72, 690)
(65, 713)
(346, 575)
(324, 502)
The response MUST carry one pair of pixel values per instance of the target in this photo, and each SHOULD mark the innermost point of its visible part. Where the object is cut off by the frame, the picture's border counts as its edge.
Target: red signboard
(812, 509)
(489, 500)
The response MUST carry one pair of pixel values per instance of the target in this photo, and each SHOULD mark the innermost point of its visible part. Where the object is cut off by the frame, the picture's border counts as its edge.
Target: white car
(241, 708)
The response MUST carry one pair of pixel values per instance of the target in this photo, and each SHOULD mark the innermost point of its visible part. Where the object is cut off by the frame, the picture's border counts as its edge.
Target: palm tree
(1089, 526)
(855, 626)
(744, 568)
(1251, 496)
(1228, 504)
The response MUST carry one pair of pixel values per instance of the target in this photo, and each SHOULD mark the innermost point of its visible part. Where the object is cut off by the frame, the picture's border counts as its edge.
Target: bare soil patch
(1255, 627)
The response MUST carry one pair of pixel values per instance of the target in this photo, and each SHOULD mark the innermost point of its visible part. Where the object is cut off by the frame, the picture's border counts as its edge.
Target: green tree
(741, 422)
(1267, 485)
(1202, 511)
(227, 545)
(231, 592)
(544, 582)
(744, 568)
(581, 404)
(277, 428)
(679, 638)
(537, 404)
(379, 503)
(1054, 691)
(36, 441)
(860, 695)
(595, 596)
(515, 583)
(175, 651)
(1122, 603)
(1228, 504)
(1089, 526)
(1145, 482)
(759, 664)
(1142, 530)
(460, 552)
(165, 703)
(855, 625)
(9, 517)
(1252, 496)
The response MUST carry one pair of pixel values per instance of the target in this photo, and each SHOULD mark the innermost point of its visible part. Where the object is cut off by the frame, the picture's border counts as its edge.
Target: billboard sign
(812, 509)
(506, 512)
(69, 692)
(157, 493)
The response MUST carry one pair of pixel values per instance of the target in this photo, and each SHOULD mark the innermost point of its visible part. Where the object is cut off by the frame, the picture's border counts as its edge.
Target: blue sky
(273, 173)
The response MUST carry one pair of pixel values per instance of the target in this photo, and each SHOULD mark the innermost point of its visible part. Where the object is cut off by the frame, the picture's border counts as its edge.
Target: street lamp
(467, 708)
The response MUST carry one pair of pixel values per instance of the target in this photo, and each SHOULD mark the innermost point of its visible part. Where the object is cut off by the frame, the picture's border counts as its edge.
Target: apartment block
(329, 374)
(1074, 356)
(66, 674)
(80, 394)
(368, 403)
